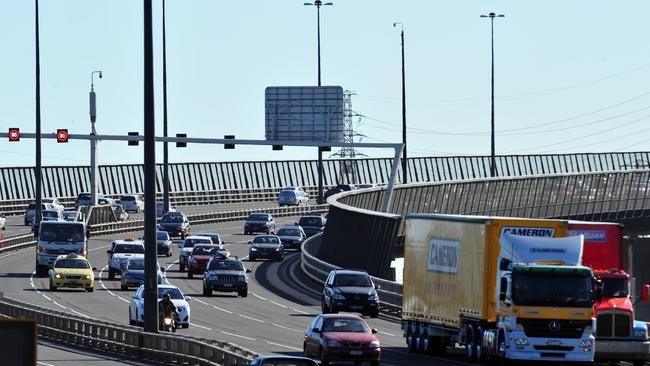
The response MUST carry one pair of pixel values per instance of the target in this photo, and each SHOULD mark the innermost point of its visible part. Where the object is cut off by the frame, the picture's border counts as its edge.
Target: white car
(132, 203)
(186, 247)
(3, 222)
(54, 203)
(121, 251)
(136, 307)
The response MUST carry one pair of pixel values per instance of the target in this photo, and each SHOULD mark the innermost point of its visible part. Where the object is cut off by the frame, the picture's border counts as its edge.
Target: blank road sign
(14, 134)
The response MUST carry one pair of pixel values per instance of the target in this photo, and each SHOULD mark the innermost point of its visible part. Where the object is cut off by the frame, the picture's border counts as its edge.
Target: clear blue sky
(571, 76)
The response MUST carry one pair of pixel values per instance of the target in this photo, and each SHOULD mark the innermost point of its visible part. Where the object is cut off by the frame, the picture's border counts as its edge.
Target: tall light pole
(93, 143)
(37, 169)
(165, 147)
(404, 161)
(318, 4)
(493, 165)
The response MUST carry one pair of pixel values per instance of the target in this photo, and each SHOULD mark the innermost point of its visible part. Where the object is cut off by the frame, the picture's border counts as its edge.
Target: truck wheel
(470, 344)
(638, 362)
(501, 351)
(410, 341)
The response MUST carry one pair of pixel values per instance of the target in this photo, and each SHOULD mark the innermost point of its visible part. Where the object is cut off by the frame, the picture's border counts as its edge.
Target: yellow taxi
(72, 270)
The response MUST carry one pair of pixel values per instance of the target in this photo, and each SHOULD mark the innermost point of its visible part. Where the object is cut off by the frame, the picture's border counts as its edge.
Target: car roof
(62, 222)
(278, 357)
(260, 213)
(266, 236)
(207, 246)
(123, 241)
(67, 256)
(197, 237)
(205, 233)
(291, 227)
(341, 316)
(350, 271)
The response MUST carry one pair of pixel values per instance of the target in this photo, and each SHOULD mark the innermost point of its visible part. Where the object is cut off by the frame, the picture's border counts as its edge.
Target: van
(56, 238)
(132, 203)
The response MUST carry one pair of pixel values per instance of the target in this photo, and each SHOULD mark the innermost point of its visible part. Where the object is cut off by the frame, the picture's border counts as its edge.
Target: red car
(201, 255)
(341, 337)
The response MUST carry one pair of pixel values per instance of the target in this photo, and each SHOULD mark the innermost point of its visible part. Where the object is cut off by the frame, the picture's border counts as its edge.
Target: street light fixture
(404, 161)
(93, 143)
(318, 4)
(492, 153)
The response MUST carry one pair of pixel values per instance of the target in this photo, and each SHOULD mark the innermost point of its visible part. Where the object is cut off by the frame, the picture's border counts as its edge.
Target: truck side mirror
(645, 293)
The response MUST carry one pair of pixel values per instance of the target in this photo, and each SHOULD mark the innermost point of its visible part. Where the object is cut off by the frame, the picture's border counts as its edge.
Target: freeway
(55, 354)
(270, 320)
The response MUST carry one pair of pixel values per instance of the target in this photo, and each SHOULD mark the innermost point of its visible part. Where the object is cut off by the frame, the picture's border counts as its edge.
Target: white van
(132, 203)
(56, 238)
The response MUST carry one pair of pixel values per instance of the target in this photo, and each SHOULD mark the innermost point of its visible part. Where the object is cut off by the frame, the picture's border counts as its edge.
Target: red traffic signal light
(62, 135)
(14, 134)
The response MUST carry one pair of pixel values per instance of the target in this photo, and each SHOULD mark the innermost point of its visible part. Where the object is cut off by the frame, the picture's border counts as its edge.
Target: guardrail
(390, 293)
(16, 242)
(128, 341)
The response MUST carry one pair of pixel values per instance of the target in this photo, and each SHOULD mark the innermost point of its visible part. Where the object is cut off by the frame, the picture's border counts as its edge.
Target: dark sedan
(276, 360)
(292, 236)
(266, 246)
(312, 225)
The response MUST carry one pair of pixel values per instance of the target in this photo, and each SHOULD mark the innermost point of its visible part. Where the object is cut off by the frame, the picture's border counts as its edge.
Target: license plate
(356, 307)
(73, 281)
(227, 285)
(356, 353)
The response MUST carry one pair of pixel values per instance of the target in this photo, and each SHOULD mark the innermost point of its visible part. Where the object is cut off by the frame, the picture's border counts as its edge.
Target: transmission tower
(348, 169)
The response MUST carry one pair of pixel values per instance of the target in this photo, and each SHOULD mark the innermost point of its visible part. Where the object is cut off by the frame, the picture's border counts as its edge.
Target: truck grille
(553, 328)
(616, 324)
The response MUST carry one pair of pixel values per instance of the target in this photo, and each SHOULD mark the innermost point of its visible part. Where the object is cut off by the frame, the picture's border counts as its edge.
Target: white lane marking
(44, 363)
(202, 327)
(254, 319)
(283, 345)
(102, 247)
(167, 269)
(389, 334)
(237, 335)
(277, 303)
(31, 282)
(107, 290)
(213, 306)
(287, 328)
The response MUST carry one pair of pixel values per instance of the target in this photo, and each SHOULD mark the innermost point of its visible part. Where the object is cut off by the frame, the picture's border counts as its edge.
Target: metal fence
(65, 181)
(127, 341)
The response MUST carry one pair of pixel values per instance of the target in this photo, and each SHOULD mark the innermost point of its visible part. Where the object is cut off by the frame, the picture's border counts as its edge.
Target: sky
(570, 76)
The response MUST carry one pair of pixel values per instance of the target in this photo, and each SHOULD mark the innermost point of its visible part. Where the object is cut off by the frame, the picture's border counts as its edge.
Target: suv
(312, 224)
(132, 203)
(121, 251)
(225, 275)
(350, 290)
(175, 223)
(84, 199)
(259, 222)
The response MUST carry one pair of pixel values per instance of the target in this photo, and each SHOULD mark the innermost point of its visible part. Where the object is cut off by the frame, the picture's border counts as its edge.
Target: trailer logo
(548, 232)
(443, 255)
(554, 326)
(548, 250)
(590, 235)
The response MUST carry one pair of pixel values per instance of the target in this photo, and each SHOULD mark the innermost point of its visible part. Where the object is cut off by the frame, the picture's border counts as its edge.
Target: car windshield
(288, 232)
(129, 248)
(205, 250)
(310, 221)
(162, 235)
(71, 263)
(127, 198)
(84, 196)
(356, 280)
(225, 266)
(266, 240)
(135, 265)
(288, 194)
(257, 217)
(53, 214)
(70, 214)
(47, 200)
(615, 287)
(190, 243)
(62, 233)
(287, 362)
(345, 325)
(174, 293)
(172, 218)
(214, 237)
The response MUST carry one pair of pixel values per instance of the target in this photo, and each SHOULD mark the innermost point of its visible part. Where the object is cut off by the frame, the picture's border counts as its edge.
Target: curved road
(270, 320)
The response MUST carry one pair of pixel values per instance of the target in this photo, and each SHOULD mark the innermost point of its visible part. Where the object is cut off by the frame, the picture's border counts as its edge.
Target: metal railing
(126, 341)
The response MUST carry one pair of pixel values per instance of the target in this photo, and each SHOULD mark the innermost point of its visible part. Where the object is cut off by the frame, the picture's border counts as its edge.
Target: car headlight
(338, 297)
(373, 297)
(253, 249)
(192, 260)
(374, 344)
(586, 343)
(334, 343)
(523, 342)
(277, 249)
(241, 279)
(88, 277)
(57, 275)
(640, 334)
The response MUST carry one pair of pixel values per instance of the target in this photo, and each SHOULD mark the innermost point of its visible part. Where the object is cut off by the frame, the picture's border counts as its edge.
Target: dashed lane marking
(284, 345)
(251, 318)
(107, 290)
(202, 327)
(237, 335)
(31, 282)
(287, 328)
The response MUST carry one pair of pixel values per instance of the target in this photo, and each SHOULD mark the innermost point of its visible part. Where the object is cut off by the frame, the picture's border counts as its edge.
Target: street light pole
(37, 169)
(318, 4)
(93, 143)
(493, 164)
(165, 147)
(404, 160)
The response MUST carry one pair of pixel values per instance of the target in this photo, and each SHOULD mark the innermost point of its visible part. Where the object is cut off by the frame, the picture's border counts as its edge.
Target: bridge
(284, 296)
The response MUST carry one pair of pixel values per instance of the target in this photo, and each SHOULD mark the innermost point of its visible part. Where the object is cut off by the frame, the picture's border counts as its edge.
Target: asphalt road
(55, 354)
(270, 320)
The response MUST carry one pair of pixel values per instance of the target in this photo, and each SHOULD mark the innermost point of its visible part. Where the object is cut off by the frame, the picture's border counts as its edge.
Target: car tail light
(83, 251)
(41, 249)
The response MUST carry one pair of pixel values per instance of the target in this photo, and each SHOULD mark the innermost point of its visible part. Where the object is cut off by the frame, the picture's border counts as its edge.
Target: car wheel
(90, 289)
(181, 267)
(243, 293)
(185, 325)
(304, 349)
(131, 321)
(52, 287)
(323, 307)
(323, 360)
(111, 274)
(206, 291)
(123, 287)
(190, 275)
(251, 258)
(374, 313)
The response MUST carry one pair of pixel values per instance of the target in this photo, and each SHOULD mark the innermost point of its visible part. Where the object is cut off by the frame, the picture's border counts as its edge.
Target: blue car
(133, 273)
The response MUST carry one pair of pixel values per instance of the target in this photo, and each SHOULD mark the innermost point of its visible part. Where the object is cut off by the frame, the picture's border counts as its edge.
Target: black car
(225, 275)
(292, 236)
(312, 224)
(350, 290)
(164, 243)
(175, 223)
(259, 222)
(266, 246)
(275, 360)
(338, 189)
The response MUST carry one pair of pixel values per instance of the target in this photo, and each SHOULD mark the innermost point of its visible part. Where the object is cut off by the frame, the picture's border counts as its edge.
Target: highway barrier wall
(17, 183)
(126, 341)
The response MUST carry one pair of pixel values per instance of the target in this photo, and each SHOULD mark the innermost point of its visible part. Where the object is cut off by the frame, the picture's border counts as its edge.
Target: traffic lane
(16, 225)
(56, 354)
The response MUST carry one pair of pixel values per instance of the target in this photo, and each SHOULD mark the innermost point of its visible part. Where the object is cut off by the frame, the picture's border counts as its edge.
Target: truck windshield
(551, 289)
(62, 233)
(615, 287)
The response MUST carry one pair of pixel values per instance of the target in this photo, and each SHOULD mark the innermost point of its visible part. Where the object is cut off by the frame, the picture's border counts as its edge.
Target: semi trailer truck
(619, 336)
(505, 288)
